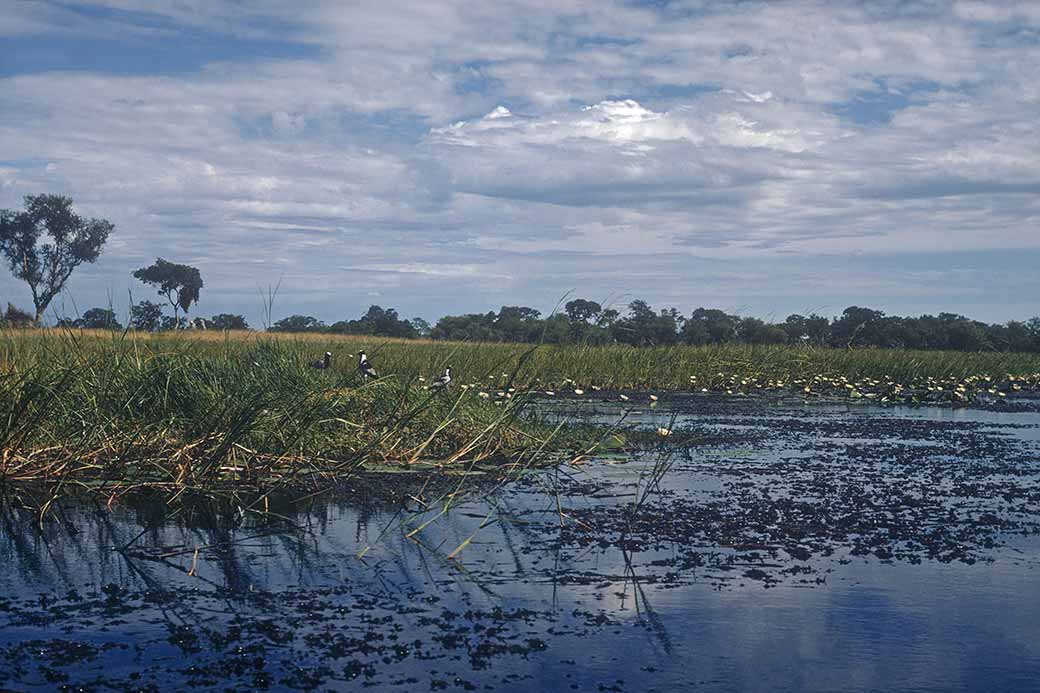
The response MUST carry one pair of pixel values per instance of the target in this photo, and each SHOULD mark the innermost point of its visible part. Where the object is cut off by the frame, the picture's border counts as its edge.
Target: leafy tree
(298, 323)
(146, 316)
(608, 317)
(380, 321)
(422, 327)
(478, 327)
(46, 266)
(581, 317)
(559, 329)
(582, 311)
(180, 284)
(963, 334)
(518, 324)
(755, 331)
(717, 325)
(695, 333)
(855, 327)
(814, 329)
(227, 321)
(643, 327)
(99, 319)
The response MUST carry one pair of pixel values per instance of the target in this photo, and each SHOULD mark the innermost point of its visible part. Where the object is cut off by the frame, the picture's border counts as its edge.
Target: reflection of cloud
(563, 141)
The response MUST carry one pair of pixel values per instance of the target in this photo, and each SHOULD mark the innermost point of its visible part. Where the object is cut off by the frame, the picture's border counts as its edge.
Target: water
(798, 548)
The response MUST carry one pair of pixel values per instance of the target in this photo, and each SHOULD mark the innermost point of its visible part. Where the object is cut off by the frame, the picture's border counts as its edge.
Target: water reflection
(831, 549)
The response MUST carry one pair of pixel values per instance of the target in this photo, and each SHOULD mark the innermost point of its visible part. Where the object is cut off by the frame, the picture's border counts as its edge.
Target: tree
(608, 317)
(146, 316)
(98, 319)
(475, 327)
(854, 327)
(518, 324)
(380, 321)
(558, 329)
(695, 333)
(422, 327)
(298, 323)
(180, 284)
(46, 266)
(581, 311)
(643, 327)
(814, 329)
(386, 323)
(227, 321)
(710, 325)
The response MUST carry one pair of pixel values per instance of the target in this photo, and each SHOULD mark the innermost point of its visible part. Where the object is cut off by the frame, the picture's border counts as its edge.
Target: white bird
(323, 362)
(443, 381)
(365, 367)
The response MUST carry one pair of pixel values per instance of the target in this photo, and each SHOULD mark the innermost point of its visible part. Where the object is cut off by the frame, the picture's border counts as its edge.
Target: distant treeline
(589, 322)
(583, 321)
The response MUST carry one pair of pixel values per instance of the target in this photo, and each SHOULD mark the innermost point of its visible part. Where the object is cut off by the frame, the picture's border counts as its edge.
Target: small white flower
(663, 432)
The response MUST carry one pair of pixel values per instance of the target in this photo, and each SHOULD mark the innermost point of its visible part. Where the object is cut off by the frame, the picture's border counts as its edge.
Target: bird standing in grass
(442, 382)
(324, 362)
(365, 367)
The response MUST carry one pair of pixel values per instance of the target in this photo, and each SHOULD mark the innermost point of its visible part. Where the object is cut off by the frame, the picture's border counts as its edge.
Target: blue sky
(445, 157)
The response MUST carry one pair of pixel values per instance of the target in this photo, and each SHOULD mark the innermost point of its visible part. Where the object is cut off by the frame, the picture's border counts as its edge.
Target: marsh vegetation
(202, 410)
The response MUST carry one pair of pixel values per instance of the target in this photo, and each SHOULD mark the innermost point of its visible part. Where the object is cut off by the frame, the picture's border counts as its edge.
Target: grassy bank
(555, 368)
(615, 367)
(122, 412)
(192, 410)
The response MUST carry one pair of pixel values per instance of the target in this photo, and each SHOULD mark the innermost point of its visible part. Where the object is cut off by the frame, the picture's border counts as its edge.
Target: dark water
(795, 548)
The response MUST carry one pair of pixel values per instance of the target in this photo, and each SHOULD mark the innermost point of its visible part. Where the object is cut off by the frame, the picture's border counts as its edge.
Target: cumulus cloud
(449, 157)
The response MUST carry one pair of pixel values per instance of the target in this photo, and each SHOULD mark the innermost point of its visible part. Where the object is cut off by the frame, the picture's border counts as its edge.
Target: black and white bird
(365, 367)
(443, 381)
(324, 362)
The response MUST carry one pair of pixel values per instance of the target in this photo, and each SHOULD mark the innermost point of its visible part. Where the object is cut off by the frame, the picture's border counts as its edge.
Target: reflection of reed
(141, 542)
(645, 612)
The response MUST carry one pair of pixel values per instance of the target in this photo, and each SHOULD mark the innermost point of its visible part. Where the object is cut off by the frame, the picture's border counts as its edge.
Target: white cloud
(451, 143)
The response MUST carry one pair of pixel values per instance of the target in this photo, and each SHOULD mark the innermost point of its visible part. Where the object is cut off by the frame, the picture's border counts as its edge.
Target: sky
(442, 157)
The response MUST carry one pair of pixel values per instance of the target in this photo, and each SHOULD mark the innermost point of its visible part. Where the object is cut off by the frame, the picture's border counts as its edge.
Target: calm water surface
(799, 548)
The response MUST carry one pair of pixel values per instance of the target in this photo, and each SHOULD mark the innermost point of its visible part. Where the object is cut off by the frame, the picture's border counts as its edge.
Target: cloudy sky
(450, 156)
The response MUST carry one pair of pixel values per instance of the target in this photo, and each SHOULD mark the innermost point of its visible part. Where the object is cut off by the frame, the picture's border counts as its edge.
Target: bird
(324, 362)
(443, 381)
(365, 367)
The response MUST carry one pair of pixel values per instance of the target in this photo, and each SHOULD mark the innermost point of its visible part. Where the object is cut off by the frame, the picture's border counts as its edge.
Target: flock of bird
(367, 371)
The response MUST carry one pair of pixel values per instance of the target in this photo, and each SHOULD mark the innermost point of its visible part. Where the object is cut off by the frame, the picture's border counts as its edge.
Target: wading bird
(365, 367)
(324, 362)
(443, 381)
